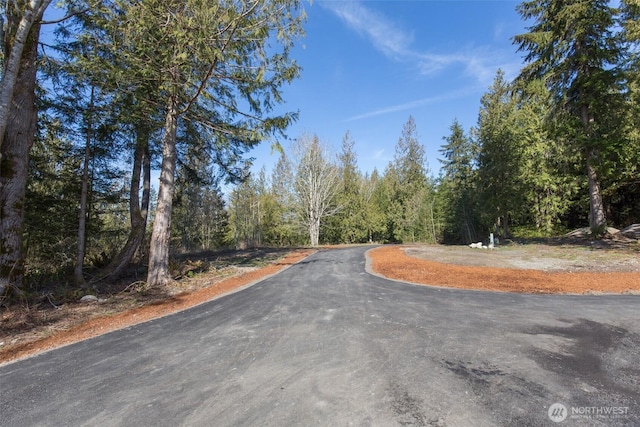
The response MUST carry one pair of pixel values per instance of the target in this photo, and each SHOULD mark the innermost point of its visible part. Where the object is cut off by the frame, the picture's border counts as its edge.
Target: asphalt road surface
(325, 343)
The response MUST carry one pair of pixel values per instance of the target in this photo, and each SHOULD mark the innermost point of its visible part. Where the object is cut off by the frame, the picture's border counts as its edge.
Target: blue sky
(369, 65)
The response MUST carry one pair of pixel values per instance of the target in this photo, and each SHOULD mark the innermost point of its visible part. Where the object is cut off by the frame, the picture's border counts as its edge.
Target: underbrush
(48, 285)
(51, 306)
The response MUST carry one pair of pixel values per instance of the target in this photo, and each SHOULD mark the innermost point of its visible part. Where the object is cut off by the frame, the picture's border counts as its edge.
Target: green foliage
(286, 230)
(51, 205)
(457, 195)
(549, 193)
(200, 220)
(244, 215)
(531, 231)
(500, 157)
(51, 212)
(573, 46)
(577, 100)
(374, 214)
(263, 213)
(409, 195)
(348, 224)
(217, 59)
(222, 64)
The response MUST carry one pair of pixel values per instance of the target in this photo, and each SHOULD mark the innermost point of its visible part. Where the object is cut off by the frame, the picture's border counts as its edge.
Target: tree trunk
(597, 219)
(314, 231)
(505, 230)
(20, 34)
(14, 165)
(138, 210)
(158, 273)
(78, 274)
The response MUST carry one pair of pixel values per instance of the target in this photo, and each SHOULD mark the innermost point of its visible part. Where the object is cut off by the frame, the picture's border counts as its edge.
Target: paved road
(325, 343)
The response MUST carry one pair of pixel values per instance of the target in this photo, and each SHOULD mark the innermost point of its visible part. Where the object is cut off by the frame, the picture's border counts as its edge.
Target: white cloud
(479, 63)
(414, 104)
(378, 154)
(498, 31)
(391, 109)
(385, 36)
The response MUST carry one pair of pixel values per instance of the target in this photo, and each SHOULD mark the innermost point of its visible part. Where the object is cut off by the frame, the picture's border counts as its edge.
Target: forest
(188, 87)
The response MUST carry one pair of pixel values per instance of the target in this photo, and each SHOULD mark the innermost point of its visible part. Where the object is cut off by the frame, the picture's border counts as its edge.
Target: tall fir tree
(499, 158)
(457, 187)
(410, 209)
(373, 211)
(574, 48)
(346, 226)
(282, 187)
(549, 188)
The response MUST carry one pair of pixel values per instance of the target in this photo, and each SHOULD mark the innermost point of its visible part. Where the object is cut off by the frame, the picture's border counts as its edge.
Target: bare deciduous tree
(316, 184)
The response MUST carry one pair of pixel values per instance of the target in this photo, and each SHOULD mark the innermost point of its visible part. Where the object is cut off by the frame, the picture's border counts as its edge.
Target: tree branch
(64, 18)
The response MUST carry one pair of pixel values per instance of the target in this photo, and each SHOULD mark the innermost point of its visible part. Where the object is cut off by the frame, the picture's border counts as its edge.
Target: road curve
(326, 343)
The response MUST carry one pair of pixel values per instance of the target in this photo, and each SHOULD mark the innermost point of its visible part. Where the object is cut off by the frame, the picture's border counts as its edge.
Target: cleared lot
(539, 268)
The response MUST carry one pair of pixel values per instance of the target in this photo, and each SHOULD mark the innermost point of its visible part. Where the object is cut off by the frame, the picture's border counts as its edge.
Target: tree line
(315, 195)
(556, 148)
(188, 87)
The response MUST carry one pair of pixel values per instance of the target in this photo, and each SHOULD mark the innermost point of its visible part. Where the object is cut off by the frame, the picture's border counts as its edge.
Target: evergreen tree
(457, 187)
(387, 197)
(244, 215)
(373, 212)
(200, 217)
(500, 157)
(411, 206)
(210, 61)
(549, 187)
(51, 205)
(624, 190)
(84, 101)
(270, 212)
(573, 47)
(133, 101)
(282, 188)
(347, 224)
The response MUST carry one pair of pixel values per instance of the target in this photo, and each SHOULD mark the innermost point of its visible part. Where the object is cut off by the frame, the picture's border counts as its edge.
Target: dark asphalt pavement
(325, 343)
